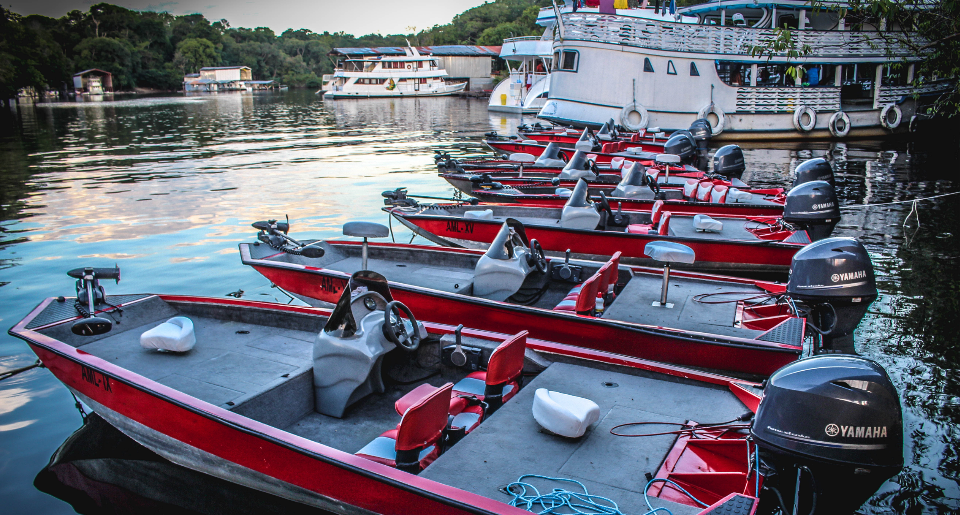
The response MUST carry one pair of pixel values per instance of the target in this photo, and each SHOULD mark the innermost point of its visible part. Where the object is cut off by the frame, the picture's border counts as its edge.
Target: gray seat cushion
(365, 230)
(669, 252)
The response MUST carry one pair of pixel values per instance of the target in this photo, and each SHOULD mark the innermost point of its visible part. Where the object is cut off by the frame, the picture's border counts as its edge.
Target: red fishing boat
(593, 230)
(358, 410)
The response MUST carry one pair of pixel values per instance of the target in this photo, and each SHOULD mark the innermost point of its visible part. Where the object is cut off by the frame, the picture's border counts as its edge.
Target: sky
(354, 17)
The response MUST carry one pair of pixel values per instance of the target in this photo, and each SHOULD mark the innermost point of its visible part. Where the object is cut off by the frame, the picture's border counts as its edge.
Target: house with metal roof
(471, 63)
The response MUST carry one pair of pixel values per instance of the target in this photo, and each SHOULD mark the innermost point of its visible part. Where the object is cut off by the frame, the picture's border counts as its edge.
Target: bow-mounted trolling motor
(398, 198)
(445, 163)
(833, 279)
(89, 290)
(830, 432)
(485, 182)
(274, 234)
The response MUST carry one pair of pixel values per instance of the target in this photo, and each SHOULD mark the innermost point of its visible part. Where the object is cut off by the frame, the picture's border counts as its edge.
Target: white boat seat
(640, 153)
(669, 252)
(690, 188)
(562, 414)
(549, 163)
(563, 192)
(175, 335)
(522, 157)
(365, 230)
(668, 159)
(734, 196)
(485, 214)
(530, 142)
(653, 130)
(719, 194)
(706, 224)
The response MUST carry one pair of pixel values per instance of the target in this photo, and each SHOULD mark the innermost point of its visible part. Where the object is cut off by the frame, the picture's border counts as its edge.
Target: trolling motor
(400, 198)
(89, 290)
(274, 234)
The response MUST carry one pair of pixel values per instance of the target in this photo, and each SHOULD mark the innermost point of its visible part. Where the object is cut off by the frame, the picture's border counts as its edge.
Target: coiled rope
(528, 497)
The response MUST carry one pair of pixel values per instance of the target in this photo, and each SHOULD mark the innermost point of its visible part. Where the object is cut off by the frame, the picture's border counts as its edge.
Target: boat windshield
(342, 321)
(510, 236)
(634, 175)
(579, 196)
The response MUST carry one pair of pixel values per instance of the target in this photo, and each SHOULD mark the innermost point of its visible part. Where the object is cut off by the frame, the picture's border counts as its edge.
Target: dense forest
(154, 50)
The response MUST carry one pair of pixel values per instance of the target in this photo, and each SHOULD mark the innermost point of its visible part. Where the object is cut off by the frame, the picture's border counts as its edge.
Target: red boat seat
(584, 302)
(635, 137)
(655, 215)
(414, 443)
(500, 381)
(607, 148)
(690, 188)
(616, 163)
(719, 194)
(663, 229)
(703, 191)
(592, 157)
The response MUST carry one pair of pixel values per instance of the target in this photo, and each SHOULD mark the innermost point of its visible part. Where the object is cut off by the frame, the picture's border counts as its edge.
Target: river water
(166, 188)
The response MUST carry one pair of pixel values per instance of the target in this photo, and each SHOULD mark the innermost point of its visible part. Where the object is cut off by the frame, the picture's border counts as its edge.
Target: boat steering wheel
(652, 183)
(396, 332)
(563, 156)
(592, 165)
(537, 258)
(605, 204)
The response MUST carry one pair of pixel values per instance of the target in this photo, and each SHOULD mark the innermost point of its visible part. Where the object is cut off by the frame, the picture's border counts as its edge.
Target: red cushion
(506, 361)
(424, 422)
(663, 229)
(656, 211)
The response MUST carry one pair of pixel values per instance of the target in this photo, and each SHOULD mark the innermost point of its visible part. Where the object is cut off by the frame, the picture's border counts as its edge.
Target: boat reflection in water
(100, 470)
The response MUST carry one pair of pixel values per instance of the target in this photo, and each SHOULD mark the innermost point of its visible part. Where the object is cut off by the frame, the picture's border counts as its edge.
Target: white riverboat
(529, 60)
(382, 76)
(646, 69)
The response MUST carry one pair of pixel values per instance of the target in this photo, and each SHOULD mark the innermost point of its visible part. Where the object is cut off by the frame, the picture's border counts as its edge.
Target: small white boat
(529, 60)
(410, 75)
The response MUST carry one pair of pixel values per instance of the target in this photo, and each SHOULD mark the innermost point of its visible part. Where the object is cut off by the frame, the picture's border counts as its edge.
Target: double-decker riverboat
(526, 88)
(382, 76)
(703, 62)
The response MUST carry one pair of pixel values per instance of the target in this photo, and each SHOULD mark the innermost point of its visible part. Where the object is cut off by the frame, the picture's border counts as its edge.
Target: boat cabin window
(857, 83)
(647, 65)
(734, 74)
(671, 70)
(375, 82)
(894, 75)
(694, 72)
(568, 61)
(789, 21)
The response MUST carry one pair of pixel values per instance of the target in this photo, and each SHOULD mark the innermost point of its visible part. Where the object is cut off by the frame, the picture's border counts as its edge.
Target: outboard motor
(834, 280)
(701, 131)
(682, 145)
(550, 157)
(579, 167)
(831, 430)
(635, 184)
(586, 142)
(816, 169)
(579, 212)
(728, 161)
(813, 206)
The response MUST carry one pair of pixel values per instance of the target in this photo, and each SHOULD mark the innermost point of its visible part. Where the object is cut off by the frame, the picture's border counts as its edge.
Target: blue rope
(527, 497)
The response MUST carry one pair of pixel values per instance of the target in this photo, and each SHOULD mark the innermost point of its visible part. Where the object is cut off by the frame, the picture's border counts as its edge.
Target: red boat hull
(510, 147)
(632, 205)
(644, 342)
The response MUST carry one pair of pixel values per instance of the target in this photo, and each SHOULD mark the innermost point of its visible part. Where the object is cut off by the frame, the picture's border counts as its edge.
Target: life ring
(885, 116)
(839, 124)
(798, 115)
(629, 110)
(409, 67)
(721, 117)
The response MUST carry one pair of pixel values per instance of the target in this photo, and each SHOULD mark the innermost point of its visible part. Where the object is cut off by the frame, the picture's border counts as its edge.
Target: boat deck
(634, 304)
(733, 229)
(511, 443)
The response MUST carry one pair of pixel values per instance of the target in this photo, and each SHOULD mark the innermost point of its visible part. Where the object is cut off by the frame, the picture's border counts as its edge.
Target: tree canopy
(154, 50)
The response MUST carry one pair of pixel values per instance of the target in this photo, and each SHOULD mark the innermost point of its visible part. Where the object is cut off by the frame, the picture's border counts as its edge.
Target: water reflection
(166, 187)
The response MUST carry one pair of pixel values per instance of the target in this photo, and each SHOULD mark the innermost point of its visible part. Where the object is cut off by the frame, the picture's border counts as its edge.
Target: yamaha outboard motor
(682, 145)
(728, 161)
(830, 432)
(701, 131)
(817, 169)
(833, 279)
(813, 207)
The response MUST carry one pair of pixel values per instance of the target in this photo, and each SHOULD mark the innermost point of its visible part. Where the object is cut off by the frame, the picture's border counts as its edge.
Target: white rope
(913, 201)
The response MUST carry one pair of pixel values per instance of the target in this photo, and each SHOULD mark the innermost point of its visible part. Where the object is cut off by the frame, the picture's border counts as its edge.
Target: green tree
(195, 53)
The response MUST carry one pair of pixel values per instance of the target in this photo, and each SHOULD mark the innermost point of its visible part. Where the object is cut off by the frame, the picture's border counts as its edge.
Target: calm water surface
(166, 188)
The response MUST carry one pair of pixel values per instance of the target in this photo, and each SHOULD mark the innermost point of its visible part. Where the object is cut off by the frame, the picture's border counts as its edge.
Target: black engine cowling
(838, 419)
(834, 280)
(813, 207)
(817, 169)
(728, 161)
(701, 131)
(682, 145)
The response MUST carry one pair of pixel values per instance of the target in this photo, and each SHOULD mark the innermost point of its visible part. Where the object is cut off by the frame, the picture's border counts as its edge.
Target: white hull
(446, 90)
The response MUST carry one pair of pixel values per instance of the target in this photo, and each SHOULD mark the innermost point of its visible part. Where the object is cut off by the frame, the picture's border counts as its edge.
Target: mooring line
(914, 201)
(10, 373)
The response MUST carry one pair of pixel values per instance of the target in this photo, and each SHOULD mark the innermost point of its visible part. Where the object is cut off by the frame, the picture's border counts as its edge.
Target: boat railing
(507, 41)
(894, 94)
(787, 99)
(712, 39)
